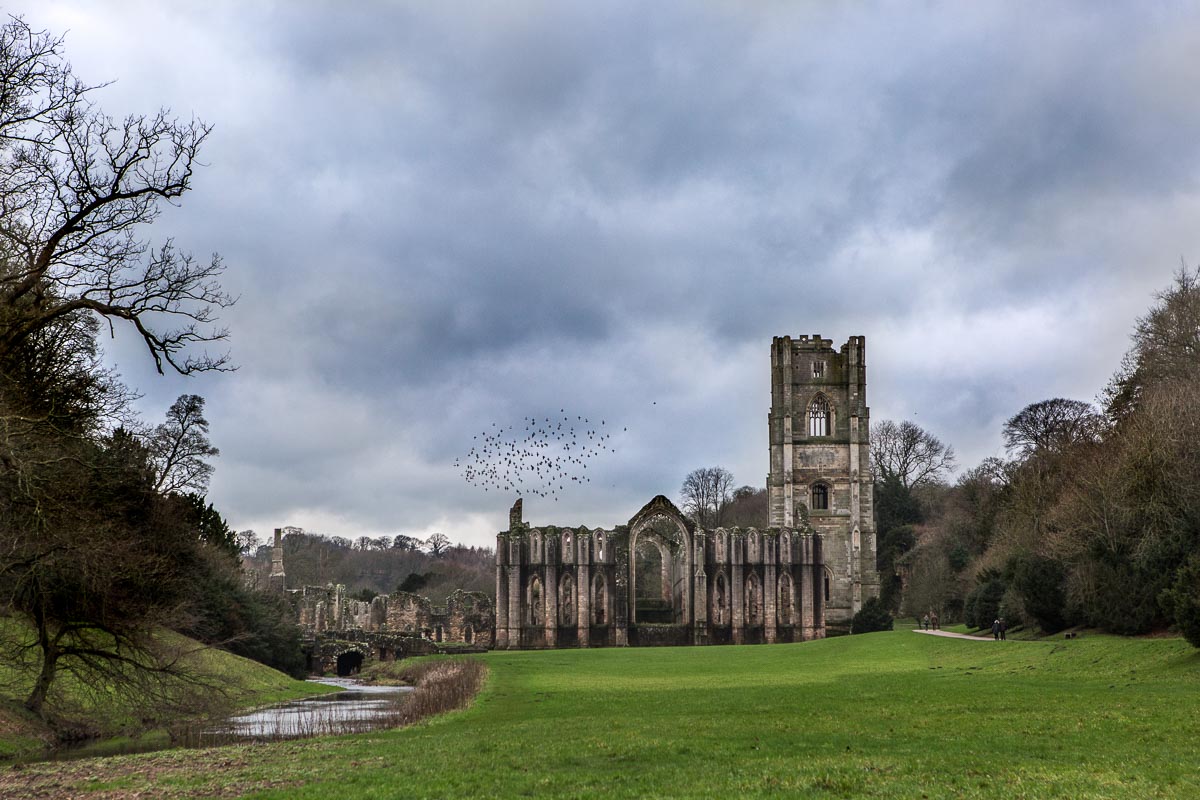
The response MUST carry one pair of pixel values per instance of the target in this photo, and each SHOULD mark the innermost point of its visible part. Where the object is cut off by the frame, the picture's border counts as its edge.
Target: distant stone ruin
(341, 633)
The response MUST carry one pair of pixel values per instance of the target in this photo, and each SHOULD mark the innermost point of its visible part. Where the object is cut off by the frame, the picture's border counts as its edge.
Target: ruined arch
(753, 546)
(600, 614)
(535, 601)
(566, 601)
(663, 526)
(786, 603)
(754, 600)
(720, 600)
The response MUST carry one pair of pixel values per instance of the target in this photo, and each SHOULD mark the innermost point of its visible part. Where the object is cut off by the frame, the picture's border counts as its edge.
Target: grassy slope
(247, 683)
(884, 715)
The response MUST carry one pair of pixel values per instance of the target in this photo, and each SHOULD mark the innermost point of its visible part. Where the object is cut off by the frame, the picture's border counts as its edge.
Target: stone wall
(468, 618)
(575, 587)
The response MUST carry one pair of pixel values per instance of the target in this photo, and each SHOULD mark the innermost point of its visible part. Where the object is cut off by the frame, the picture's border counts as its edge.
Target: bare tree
(75, 187)
(437, 544)
(402, 542)
(95, 555)
(1051, 426)
(1166, 345)
(179, 447)
(247, 541)
(747, 508)
(908, 453)
(706, 493)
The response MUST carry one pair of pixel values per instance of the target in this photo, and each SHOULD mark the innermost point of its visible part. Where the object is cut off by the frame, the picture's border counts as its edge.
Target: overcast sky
(440, 215)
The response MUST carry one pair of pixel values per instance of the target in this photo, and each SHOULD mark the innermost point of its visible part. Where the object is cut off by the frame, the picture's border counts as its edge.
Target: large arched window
(535, 601)
(818, 417)
(820, 497)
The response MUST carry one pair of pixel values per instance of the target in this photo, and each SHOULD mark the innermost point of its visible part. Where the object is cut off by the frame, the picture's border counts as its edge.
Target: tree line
(369, 566)
(1093, 516)
(106, 539)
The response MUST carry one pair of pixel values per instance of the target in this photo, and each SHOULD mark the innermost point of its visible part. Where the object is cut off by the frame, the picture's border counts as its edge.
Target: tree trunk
(37, 698)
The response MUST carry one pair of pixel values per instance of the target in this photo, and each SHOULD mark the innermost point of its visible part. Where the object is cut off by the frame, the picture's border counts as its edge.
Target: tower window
(818, 417)
(818, 369)
(820, 497)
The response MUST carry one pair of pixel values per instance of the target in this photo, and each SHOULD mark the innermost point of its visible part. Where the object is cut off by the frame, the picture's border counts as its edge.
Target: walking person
(933, 619)
(1003, 629)
(996, 629)
(925, 622)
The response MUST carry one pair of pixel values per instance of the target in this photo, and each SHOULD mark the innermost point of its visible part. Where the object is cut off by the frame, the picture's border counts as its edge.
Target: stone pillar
(699, 591)
(620, 592)
(583, 602)
(737, 589)
(501, 642)
(277, 582)
(770, 589)
(818, 570)
(856, 577)
(515, 598)
(806, 597)
(550, 626)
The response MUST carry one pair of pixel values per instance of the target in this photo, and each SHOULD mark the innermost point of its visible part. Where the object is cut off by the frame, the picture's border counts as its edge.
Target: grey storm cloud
(439, 216)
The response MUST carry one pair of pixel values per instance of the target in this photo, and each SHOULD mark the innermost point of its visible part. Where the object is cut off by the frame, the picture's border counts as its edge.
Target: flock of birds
(543, 459)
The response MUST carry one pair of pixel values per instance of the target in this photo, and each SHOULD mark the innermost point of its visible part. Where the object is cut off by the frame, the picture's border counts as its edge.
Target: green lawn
(884, 715)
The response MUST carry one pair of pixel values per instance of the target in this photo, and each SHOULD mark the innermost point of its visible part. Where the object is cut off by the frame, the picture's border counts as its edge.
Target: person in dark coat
(1003, 629)
(996, 629)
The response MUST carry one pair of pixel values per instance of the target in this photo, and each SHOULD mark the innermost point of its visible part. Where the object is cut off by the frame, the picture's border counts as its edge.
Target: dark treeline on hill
(1094, 517)
(432, 567)
(106, 539)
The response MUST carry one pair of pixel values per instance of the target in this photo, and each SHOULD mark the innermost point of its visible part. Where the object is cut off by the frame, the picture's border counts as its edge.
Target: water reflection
(359, 707)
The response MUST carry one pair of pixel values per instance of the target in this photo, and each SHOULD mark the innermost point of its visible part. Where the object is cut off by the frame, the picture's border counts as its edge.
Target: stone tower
(278, 579)
(820, 461)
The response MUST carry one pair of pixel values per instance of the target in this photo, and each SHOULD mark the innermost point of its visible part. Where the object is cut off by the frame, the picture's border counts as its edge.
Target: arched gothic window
(786, 601)
(535, 602)
(753, 601)
(600, 601)
(818, 417)
(566, 601)
(820, 497)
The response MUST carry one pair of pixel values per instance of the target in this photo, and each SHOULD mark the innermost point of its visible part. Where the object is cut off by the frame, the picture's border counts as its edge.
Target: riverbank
(104, 723)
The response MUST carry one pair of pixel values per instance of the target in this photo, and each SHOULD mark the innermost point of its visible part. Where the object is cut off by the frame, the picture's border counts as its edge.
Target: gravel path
(951, 635)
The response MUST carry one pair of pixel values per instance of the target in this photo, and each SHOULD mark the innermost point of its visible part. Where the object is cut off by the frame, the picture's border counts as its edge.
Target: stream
(359, 707)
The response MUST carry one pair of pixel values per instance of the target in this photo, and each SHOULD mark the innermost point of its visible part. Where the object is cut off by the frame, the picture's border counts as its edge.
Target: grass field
(883, 715)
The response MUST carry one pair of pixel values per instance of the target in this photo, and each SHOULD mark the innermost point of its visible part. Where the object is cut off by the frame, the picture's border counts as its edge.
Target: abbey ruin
(660, 579)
